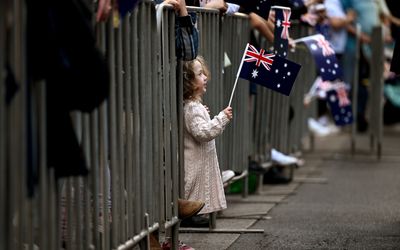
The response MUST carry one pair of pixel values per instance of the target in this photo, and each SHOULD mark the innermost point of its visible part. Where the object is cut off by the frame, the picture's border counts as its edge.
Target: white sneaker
(316, 128)
(333, 129)
(281, 158)
(227, 175)
(323, 120)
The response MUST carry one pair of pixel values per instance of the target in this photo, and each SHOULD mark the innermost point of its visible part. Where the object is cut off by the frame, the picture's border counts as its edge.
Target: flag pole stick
(303, 39)
(237, 75)
(233, 90)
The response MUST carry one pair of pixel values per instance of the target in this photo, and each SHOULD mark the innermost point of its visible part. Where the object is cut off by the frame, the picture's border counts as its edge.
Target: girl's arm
(200, 127)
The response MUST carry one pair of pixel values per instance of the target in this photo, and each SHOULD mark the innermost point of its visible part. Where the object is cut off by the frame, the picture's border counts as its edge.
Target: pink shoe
(166, 245)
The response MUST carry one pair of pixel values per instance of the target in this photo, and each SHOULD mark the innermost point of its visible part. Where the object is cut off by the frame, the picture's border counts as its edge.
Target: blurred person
(368, 18)
(334, 21)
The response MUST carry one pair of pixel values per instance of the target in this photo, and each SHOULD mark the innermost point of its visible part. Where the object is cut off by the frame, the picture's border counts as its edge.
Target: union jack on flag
(325, 46)
(340, 105)
(252, 55)
(264, 68)
(342, 96)
(286, 24)
(325, 58)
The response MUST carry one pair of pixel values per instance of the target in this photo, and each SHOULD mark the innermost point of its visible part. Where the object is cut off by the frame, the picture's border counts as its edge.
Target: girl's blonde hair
(189, 76)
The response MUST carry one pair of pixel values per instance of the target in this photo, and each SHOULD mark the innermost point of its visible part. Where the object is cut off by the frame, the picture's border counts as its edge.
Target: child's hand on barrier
(179, 6)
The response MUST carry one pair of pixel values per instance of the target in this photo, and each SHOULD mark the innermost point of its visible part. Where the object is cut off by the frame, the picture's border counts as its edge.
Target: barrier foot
(221, 230)
(353, 147)
(379, 150)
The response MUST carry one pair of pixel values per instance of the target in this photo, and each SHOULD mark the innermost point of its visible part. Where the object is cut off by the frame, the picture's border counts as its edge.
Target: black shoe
(276, 176)
(362, 124)
(195, 221)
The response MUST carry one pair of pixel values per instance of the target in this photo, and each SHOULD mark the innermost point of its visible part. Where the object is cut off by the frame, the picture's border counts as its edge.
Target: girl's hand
(228, 112)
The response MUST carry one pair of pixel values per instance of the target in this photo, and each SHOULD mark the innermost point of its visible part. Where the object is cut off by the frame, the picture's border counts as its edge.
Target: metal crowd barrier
(124, 142)
(298, 128)
(22, 144)
(272, 128)
(133, 141)
(237, 136)
(354, 88)
(375, 100)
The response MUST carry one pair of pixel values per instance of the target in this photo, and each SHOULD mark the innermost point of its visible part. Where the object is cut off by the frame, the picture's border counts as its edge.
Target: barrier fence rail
(133, 142)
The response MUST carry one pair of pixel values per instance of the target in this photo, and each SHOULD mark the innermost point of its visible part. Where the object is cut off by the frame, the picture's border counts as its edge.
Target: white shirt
(338, 38)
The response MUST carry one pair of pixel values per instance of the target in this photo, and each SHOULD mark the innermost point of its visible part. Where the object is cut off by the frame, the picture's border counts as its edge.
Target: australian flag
(267, 69)
(281, 31)
(324, 56)
(340, 105)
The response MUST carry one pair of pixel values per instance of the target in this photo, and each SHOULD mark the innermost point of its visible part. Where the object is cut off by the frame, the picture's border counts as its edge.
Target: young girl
(202, 174)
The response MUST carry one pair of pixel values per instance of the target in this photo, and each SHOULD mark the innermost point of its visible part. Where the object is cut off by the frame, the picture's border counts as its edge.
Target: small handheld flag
(281, 31)
(268, 70)
(324, 56)
(340, 105)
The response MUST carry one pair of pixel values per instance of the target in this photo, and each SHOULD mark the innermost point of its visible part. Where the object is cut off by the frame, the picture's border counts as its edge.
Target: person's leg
(362, 124)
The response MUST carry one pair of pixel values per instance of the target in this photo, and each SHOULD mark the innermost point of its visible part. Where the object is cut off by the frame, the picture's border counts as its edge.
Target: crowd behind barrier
(133, 141)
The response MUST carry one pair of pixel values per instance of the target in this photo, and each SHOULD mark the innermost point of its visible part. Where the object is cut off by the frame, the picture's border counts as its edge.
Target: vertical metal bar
(376, 88)
(136, 120)
(155, 62)
(104, 241)
(167, 109)
(120, 156)
(112, 137)
(153, 90)
(43, 171)
(20, 122)
(173, 103)
(142, 114)
(104, 171)
(355, 89)
(150, 118)
(92, 184)
(84, 192)
(77, 190)
(128, 125)
(3, 176)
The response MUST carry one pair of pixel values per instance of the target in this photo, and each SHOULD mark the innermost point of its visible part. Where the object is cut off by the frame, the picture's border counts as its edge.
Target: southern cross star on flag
(267, 69)
(281, 31)
(324, 56)
(340, 105)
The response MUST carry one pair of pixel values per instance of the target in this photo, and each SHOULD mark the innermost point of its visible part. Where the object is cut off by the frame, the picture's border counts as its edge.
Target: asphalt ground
(337, 200)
